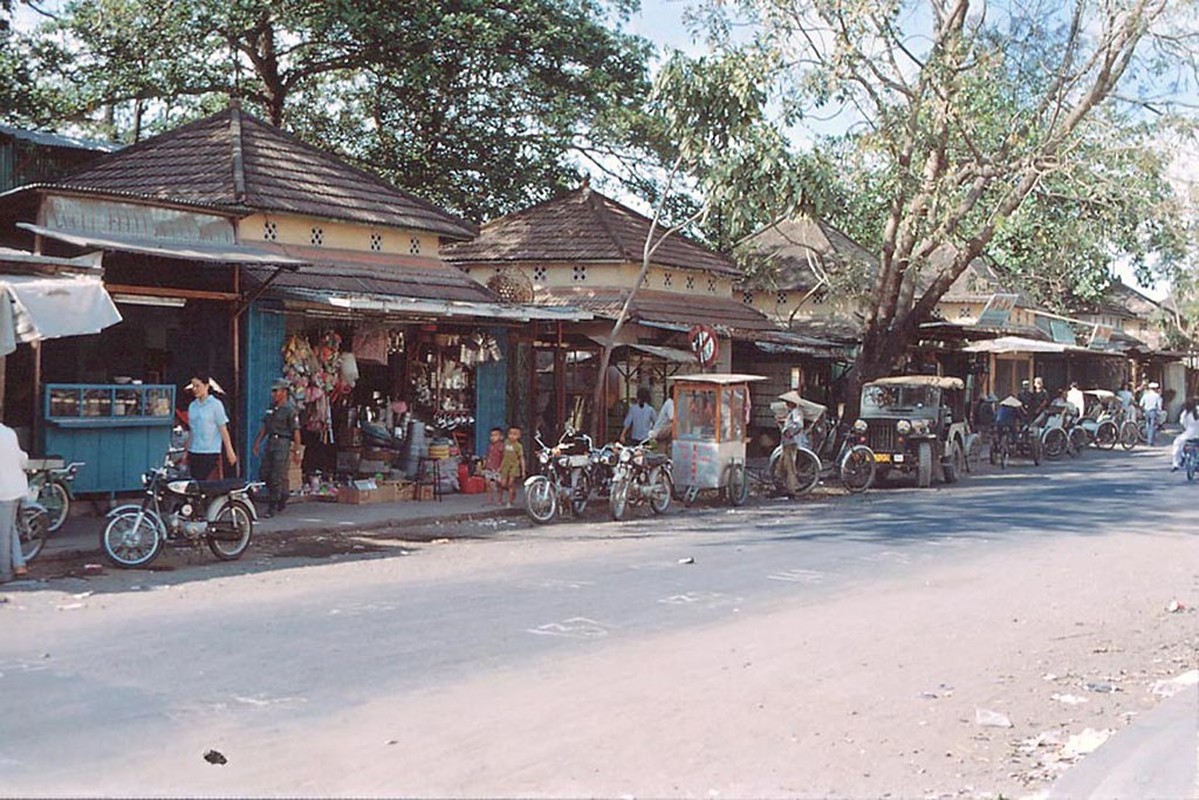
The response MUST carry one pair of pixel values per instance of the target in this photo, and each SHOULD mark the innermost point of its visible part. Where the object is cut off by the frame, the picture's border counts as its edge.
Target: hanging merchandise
(371, 345)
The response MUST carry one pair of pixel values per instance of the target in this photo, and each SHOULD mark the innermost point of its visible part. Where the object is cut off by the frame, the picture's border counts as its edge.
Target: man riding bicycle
(1009, 417)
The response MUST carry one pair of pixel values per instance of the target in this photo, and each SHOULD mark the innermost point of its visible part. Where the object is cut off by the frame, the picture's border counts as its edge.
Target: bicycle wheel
(737, 485)
(857, 468)
(54, 498)
(1129, 435)
(1106, 435)
(807, 470)
(1055, 442)
(1078, 441)
(32, 526)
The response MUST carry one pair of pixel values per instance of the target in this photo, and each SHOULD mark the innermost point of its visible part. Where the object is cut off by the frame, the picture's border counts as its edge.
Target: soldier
(281, 428)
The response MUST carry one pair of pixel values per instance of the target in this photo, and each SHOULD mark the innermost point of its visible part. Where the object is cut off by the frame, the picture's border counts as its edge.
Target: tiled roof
(663, 308)
(235, 161)
(794, 243)
(351, 273)
(582, 225)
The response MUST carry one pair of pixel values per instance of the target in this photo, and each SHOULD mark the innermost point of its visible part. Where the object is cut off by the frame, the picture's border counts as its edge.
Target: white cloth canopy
(36, 307)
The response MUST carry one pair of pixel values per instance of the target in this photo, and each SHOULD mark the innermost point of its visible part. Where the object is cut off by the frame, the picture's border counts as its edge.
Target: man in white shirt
(663, 430)
(1076, 398)
(13, 487)
(1190, 430)
(1151, 404)
(640, 419)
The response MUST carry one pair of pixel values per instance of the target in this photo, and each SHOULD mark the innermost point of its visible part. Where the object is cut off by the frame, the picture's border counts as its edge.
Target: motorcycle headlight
(626, 455)
(543, 457)
(903, 427)
(860, 426)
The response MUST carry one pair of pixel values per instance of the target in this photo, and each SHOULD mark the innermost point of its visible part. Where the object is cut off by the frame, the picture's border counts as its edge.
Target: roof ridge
(239, 170)
(601, 216)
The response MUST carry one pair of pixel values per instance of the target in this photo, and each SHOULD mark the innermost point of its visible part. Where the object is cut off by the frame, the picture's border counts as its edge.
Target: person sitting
(1190, 430)
(1009, 416)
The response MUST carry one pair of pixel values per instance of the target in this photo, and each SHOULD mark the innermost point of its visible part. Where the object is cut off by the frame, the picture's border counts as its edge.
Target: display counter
(119, 430)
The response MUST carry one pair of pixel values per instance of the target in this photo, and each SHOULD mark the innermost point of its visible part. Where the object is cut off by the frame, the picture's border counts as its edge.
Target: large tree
(961, 115)
(481, 105)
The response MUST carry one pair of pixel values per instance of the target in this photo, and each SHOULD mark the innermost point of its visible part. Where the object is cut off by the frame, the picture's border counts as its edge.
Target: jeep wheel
(955, 465)
(924, 466)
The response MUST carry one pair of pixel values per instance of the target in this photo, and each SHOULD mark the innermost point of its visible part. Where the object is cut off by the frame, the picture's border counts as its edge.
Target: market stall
(386, 402)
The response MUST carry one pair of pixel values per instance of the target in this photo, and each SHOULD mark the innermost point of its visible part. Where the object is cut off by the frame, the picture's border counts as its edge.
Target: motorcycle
(562, 480)
(641, 477)
(52, 487)
(179, 510)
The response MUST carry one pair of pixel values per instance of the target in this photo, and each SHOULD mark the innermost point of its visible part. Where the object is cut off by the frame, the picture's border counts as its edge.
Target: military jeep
(916, 424)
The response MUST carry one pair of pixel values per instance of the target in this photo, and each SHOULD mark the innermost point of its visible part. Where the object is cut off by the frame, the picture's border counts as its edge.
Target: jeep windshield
(883, 400)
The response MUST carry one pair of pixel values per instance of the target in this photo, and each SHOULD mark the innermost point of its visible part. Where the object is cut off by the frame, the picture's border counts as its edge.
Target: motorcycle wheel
(54, 498)
(618, 498)
(660, 490)
(580, 491)
(857, 469)
(128, 543)
(1190, 462)
(1055, 442)
(33, 524)
(736, 486)
(234, 526)
(540, 500)
(1129, 435)
(1106, 435)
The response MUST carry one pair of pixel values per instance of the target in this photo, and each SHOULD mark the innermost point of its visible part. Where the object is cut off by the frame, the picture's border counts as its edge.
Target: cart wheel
(737, 487)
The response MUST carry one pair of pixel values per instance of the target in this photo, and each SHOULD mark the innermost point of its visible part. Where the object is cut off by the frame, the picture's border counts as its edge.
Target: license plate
(899, 458)
(882, 456)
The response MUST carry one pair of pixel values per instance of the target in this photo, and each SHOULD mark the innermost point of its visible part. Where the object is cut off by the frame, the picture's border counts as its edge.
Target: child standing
(512, 465)
(491, 465)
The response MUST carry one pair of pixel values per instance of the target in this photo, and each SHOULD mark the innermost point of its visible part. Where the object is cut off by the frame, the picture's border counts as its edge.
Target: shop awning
(188, 251)
(674, 355)
(415, 306)
(37, 307)
(1018, 344)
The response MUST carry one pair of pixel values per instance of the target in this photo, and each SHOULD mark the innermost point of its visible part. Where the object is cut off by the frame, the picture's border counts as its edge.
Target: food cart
(711, 416)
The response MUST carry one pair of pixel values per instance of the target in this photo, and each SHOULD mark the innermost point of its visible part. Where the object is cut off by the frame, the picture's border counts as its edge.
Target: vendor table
(118, 430)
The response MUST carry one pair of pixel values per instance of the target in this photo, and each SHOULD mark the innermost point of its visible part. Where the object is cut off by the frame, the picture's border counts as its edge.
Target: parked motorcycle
(562, 479)
(52, 486)
(641, 477)
(179, 510)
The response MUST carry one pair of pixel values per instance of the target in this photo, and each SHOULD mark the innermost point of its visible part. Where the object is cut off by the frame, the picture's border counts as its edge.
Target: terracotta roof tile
(663, 308)
(795, 242)
(582, 225)
(234, 161)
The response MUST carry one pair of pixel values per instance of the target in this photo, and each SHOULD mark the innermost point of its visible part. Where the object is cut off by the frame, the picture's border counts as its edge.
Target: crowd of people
(1033, 405)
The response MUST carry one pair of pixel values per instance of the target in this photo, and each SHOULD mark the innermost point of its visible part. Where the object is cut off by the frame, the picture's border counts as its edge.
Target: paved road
(104, 679)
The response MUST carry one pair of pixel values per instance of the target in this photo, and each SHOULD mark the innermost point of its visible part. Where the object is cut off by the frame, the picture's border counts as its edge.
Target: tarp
(1018, 344)
(36, 307)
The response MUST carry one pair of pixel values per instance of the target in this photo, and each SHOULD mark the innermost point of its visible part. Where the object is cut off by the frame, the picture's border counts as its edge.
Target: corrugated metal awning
(422, 307)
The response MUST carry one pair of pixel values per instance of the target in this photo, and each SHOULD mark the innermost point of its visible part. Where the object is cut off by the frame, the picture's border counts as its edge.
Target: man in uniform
(280, 429)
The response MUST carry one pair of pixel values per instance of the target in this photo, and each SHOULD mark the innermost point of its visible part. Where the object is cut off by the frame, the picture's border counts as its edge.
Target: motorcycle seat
(656, 459)
(211, 488)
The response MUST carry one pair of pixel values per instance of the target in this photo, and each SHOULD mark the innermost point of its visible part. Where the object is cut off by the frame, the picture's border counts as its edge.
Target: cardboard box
(360, 493)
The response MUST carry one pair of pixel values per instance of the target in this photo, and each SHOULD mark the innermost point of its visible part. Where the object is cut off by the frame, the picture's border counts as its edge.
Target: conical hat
(1011, 402)
(791, 397)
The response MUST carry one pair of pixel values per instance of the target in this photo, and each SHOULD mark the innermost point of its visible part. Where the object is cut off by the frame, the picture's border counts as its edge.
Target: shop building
(229, 245)
(583, 250)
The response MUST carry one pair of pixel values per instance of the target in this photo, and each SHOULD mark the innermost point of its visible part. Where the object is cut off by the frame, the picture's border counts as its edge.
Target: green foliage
(480, 106)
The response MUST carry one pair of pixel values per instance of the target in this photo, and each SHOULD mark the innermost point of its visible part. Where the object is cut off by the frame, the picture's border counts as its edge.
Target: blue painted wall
(262, 362)
(491, 394)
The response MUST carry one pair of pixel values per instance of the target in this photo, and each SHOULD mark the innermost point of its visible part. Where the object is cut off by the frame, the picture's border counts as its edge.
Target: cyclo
(711, 413)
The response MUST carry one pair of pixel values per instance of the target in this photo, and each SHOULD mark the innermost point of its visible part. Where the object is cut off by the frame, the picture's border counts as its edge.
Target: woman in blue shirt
(209, 426)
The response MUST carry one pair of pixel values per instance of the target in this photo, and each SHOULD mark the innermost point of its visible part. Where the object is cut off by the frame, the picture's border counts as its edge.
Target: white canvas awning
(36, 307)
(1019, 344)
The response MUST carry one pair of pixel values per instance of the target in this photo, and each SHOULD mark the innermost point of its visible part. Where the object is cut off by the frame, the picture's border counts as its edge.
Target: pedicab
(711, 417)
